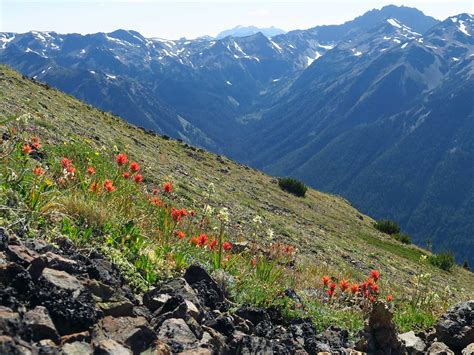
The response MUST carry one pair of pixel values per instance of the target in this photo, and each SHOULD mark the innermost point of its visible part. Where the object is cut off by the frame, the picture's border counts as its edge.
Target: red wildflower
(134, 167)
(375, 275)
(366, 294)
(38, 171)
(370, 282)
(35, 139)
(155, 191)
(364, 286)
(253, 262)
(95, 187)
(167, 187)
(180, 234)
(109, 186)
(37, 145)
(155, 201)
(344, 285)
(65, 162)
(202, 240)
(27, 149)
(226, 246)
(192, 213)
(194, 241)
(330, 292)
(288, 249)
(138, 178)
(126, 175)
(389, 298)
(213, 244)
(375, 288)
(122, 159)
(177, 215)
(91, 170)
(354, 288)
(332, 286)
(71, 169)
(372, 299)
(326, 280)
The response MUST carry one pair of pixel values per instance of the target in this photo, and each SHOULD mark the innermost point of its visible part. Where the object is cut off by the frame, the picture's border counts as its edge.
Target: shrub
(402, 238)
(443, 260)
(292, 186)
(386, 226)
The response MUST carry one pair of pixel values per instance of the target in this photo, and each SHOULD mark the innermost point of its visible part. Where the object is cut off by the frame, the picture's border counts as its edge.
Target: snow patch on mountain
(394, 23)
(463, 29)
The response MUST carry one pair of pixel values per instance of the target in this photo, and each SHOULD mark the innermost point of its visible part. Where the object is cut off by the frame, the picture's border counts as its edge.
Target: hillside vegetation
(277, 240)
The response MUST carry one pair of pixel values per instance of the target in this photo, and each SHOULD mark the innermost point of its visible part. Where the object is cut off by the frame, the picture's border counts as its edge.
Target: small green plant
(402, 238)
(292, 186)
(444, 260)
(388, 227)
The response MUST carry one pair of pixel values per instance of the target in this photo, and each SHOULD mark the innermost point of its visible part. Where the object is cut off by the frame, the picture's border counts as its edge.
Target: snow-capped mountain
(244, 31)
(378, 109)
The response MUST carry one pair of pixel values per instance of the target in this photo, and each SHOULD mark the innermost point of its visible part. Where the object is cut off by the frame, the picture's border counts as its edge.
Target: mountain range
(378, 109)
(244, 31)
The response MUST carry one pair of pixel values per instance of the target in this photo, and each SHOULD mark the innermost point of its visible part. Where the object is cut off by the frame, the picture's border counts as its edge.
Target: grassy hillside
(331, 237)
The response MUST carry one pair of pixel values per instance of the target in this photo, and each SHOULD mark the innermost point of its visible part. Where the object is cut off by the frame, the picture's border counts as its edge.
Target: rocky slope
(54, 299)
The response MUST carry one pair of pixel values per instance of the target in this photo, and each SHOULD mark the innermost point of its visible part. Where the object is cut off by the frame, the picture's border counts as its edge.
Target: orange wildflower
(354, 288)
(326, 280)
(344, 285)
(27, 149)
(226, 246)
(38, 171)
(121, 159)
(375, 275)
(167, 187)
(138, 178)
(109, 186)
(134, 167)
(91, 170)
(389, 298)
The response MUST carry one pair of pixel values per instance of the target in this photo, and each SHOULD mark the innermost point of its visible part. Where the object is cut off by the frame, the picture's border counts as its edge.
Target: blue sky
(175, 19)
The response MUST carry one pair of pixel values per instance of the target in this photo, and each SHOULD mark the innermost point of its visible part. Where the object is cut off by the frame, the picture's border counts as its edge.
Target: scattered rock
(20, 254)
(110, 347)
(438, 348)
(208, 291)
(77, 348)
(456, 327)
(116, 309)
(380, 334)
(133, 332)
(40, 323)
(176, 333)
(62, 280)
(76, 337)
(468, 350)
(413, 344)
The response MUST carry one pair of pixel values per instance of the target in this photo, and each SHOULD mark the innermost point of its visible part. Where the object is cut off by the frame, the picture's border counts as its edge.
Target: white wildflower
(224, 214)
(257, 220)
(208, 210)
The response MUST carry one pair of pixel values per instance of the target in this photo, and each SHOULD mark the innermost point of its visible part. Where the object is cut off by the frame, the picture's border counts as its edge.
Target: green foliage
(402, 238)
(410, 317)
(388, 227)
(292, 186)
(444, 260)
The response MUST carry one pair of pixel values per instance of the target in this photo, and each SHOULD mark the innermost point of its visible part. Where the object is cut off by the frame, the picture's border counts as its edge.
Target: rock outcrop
(54, 300)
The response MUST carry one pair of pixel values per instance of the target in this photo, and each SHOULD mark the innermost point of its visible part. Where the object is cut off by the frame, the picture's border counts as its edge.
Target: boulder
(116, 309)
(62, 280)
(41, 324)
(110, 347)
(20, 254)
(77, 348)
(438, 348)
(133, 332)
(157, 348)
(456, 327)
(253, 314)
(468, 350)
(98, 289)
(207, 290)
(413, 344)
(15, 346)
(176, 333)
(380, 334)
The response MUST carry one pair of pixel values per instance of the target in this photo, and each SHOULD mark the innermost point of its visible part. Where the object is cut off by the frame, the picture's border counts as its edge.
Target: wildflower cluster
(366, 291)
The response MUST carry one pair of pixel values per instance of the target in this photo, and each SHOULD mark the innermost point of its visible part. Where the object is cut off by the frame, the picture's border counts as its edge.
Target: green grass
(326, 230)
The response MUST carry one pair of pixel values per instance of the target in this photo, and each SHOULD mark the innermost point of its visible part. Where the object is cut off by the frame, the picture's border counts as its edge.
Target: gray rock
(41, 325)
(468, 350)
(133, 332)
(77, 348)
(176, 333)
(110, 347)
(438, 348)
(456, 327)
(20, 254)
(413, 344)
(380, 333)
(62, 280)
(116, 309)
